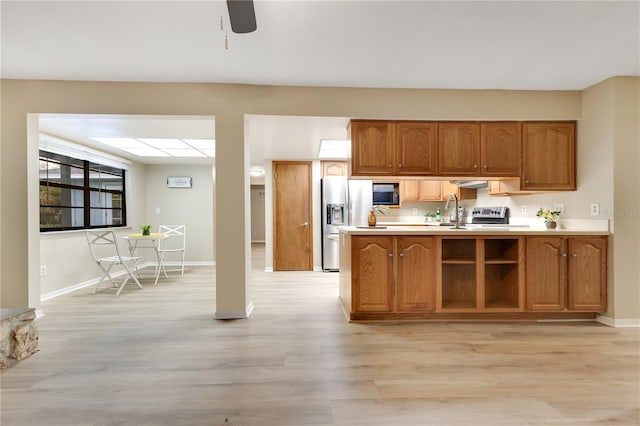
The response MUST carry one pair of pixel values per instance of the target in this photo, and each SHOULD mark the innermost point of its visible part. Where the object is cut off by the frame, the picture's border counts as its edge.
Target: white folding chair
(104, 251)
(175, 242)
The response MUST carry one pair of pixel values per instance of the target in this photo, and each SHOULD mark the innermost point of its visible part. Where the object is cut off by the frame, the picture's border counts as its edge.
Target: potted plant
(430, 216)
(146, 229)
(549, 217)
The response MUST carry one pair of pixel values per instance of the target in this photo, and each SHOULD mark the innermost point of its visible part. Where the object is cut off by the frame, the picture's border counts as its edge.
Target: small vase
(146, 232)
(372, 218)
(550, 225)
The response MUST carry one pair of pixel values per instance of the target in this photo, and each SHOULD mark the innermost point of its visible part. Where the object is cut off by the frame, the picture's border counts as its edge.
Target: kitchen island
(496, 273)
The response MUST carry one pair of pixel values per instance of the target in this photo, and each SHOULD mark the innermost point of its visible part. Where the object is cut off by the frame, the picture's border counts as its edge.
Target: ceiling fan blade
(242, 16)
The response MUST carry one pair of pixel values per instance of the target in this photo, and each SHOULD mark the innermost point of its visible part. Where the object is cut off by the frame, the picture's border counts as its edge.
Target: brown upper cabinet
(416, 148)
(458, 149)
(500, 144)
(541, 154)
(432, 190)
(334, 168)
(548, 156)
(372, 148)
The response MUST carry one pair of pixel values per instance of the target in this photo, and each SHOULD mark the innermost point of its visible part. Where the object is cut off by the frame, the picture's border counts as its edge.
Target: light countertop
(423, 229)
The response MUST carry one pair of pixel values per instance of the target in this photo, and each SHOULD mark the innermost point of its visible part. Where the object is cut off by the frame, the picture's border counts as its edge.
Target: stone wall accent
(18, 335)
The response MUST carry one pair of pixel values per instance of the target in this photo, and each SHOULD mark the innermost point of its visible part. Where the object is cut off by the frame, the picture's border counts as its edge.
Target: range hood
(470, 183)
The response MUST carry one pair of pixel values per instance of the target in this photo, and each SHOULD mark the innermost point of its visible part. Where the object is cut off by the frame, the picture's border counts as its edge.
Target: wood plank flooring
(156, 356)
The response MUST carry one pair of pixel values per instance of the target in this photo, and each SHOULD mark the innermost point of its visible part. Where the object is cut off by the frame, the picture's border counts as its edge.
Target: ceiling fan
(242, 16)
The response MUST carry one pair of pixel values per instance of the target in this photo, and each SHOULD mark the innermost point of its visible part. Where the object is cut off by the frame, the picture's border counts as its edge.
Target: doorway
(292, 216)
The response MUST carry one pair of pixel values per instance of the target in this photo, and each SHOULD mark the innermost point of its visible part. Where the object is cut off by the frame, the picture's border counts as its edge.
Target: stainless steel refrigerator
(343, 202)
(334, 213)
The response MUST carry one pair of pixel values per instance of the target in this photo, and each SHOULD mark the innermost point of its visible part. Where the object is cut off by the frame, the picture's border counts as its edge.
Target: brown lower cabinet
(393, 274)
(428, 277)
(566, 274)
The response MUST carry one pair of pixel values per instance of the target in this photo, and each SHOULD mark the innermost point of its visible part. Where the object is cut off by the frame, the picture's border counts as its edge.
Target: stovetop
(493, 215)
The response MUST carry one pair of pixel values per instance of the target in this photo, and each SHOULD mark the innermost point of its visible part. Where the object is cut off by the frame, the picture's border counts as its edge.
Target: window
(79, 194)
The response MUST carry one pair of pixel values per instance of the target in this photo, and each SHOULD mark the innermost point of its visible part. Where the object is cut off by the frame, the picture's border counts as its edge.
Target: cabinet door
(372, 274)
(409, 190)
(416, 148)
(462, 193)
(416, 274)
(372, 148)
(545, 273)
(430, 190)
(458, 148)
(548, 156)
(500, 145)
(587, 274)
(334, 168)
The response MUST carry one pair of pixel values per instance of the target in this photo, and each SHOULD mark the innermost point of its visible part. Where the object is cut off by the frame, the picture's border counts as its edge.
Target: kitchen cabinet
(416, 148)
(500, 146)
(372, 148)
(505, 188)
(458, 148)
(334, 168)
(566, 273)
(372, 273)
(433, 190)
(481, 274)
(548, 156)
(416, 278)
(375, 287)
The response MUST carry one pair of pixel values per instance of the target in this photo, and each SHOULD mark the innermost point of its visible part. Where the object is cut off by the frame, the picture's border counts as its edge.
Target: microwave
(386, 194)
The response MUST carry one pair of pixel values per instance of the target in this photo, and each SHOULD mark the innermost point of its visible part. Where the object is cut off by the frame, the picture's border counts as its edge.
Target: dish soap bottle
(438, 214)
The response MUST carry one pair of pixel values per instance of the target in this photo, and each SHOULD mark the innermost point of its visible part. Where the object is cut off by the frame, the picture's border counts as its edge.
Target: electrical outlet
(157, 210)
(523, 208)
(415, 211)
(43, 270)
(558, 207)
(595, 209)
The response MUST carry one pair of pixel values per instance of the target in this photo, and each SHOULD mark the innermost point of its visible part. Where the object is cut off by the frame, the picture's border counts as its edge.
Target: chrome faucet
(446, 206)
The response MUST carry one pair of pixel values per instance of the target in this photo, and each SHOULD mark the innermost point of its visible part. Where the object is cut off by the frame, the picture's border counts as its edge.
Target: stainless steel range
(490, 215)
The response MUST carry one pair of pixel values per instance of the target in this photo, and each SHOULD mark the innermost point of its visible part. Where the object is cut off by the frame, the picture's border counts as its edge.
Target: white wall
(257, 213)
(192, 207)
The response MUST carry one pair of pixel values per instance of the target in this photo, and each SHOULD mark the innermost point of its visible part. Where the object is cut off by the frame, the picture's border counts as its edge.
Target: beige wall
(229, 103)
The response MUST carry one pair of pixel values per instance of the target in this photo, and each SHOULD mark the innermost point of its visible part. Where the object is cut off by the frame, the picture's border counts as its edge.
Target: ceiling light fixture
(256, 171)
(335, 149)
(163, 147)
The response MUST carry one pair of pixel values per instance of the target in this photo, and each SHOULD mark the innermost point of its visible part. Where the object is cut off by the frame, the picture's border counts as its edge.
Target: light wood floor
(156, 356)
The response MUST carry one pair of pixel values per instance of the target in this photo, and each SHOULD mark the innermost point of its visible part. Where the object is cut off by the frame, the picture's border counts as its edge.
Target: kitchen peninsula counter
(487, 273)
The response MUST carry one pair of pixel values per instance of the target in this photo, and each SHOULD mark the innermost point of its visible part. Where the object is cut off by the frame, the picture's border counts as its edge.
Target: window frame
(86, 188)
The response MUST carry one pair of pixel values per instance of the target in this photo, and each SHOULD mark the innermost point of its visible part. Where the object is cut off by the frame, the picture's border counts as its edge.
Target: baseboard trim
(235, 314)
(618, 323)
(317, 269)
(268, 268)
(66, 290)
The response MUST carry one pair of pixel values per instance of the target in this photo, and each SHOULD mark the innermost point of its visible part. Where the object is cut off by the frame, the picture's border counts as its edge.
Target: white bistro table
(151, 241)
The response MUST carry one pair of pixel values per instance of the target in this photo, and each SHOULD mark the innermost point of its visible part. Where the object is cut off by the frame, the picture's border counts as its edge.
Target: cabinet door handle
(400, 165)
(390, 254)
(401, 254)
(485, 166)
(563, 254)
(526, 181)
(389, 165)
(475, 166)
(574, 255)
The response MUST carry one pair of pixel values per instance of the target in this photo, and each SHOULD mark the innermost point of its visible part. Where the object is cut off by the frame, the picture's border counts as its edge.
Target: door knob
(305, 224)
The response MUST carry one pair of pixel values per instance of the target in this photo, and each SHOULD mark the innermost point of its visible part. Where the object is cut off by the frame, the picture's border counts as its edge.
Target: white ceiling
(540, 45)
(403, 44)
